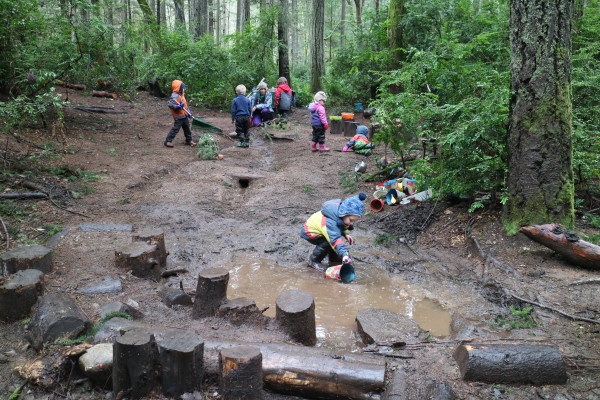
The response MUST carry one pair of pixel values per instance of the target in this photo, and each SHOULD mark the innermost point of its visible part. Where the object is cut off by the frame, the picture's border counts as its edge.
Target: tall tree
(395, 40)
(358, 5)
(243, 14)
(343, 24)
(317, 51)
(540, 176)
(282, 37)
(179, 12)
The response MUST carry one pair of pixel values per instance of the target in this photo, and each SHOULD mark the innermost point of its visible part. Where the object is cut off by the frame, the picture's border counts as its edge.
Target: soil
(254, 201)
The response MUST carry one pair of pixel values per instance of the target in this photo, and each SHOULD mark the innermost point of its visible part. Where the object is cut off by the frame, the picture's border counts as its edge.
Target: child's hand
(346, 260)
(350, 239)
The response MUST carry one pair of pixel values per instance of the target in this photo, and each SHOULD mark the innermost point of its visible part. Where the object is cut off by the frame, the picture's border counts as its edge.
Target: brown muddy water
(336, 304)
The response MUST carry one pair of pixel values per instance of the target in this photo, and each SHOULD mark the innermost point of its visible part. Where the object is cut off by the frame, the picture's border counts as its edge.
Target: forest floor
(248, 208)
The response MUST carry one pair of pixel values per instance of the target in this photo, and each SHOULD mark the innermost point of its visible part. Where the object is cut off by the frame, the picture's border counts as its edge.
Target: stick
(584, 281)
(171, 272)
(6, 233)
(573, 317)
(41, 189)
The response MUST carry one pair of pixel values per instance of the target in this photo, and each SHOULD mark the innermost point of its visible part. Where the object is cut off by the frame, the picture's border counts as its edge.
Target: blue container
(358, 108)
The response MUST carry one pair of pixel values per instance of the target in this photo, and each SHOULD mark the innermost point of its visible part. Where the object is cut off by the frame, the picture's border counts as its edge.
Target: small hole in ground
(244, 183)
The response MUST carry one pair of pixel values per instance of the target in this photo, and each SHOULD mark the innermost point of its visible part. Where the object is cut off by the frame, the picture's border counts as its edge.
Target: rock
(55, 316)
(385, 327)
(106, 227)
(27, 257)
(106, 285)
(96, 364)
(119, 307)
(175, 296)
(241, 310)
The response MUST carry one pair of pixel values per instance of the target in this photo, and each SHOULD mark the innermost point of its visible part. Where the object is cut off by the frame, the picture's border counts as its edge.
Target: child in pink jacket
(318, 121)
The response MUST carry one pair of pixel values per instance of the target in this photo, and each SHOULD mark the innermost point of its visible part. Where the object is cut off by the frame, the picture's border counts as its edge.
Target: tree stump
(295, 313)
(181, 357)
(154, 236)
(507, 363)
(241, 375)
(18, 293)
(54, 316)
(134, 356)
(349, 127)
(240, 310)
(27, 257)
(141, 258)
(211, 292)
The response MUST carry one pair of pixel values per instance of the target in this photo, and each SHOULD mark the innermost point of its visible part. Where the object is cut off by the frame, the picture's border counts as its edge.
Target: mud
(244, 213)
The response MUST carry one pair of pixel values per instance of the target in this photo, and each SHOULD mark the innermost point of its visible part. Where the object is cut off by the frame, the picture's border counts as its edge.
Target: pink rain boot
(323, 148)
(313, 146)
(345, 148)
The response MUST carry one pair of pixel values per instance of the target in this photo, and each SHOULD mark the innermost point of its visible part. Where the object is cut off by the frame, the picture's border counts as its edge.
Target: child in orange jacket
(181, 113)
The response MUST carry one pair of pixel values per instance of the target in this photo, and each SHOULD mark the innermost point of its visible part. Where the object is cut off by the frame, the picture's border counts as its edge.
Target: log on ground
(241, 373)
(211, 292)
(573, 249)
(511, 363)
(18, 293)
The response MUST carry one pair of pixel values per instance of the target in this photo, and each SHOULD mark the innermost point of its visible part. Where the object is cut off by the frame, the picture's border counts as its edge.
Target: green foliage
(385, 239)
(518, 319)
(94, 329)
(72, 174)
(17, 211)
(208, 147)
(25, 109)
(349, 180)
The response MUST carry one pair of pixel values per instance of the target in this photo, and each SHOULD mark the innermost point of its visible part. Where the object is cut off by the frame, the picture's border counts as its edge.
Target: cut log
(564, 242)
(211, 292)
(18, 293)
(241, 310)
(100, 109)
(55, 316)
(156, 237)
(181, 357)
(134, 356)
(101, 93)
(141, 258)
(349, 128)
(507, 363)
(27, 257)
(288, 369)
(23, 195)
(241, 373)
(71, 85)
(295, 313)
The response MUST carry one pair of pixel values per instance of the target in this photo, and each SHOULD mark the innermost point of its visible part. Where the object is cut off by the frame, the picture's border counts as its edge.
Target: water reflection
(336, 303)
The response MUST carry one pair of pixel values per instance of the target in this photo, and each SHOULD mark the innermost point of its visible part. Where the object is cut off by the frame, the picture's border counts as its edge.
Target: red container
(376, 205)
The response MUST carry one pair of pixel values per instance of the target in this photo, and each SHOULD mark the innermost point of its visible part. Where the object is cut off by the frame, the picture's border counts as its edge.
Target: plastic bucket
(358, 107)
(343, 272)
(376, 205)
(347, 116)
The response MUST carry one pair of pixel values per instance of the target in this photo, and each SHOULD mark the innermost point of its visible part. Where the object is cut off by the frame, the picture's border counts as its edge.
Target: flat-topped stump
(211, 292)
(295, 314)
(27, 257)
(241, 376)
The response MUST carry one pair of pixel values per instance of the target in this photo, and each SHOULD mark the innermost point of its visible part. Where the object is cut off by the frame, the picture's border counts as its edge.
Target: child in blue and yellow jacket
(180, 113)
(329, 229)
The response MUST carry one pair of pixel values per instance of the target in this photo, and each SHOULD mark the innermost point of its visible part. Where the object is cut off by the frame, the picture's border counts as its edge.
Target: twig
(483, 255)
(573, 317)
(41, 189)
(584, 281)
(171, 272)
(6, 233)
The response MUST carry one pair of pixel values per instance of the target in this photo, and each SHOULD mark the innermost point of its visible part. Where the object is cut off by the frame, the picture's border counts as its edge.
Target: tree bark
(343, 24)
(540, 176)
(147, 11)
(318, 64)
(283, 46)
(358, 5)
(179, 12)
(395, 34)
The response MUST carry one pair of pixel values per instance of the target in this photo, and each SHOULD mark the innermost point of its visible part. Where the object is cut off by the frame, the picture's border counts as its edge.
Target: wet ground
(244, 213)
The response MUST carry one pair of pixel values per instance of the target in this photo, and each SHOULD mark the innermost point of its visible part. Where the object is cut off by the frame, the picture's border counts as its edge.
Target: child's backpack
(286, 100)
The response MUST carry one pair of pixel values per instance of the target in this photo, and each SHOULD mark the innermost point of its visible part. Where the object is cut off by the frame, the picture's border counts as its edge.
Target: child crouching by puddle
(327, 229)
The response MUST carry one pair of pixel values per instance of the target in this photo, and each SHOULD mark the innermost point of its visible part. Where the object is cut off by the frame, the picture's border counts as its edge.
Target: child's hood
(313, 107)
(362, 130)
(177, 86)
(352, 205)
(285, 87)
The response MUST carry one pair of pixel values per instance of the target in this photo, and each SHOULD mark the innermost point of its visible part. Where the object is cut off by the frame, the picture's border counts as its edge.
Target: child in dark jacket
(318, 120)
(360, 144)
(328, 228)
(240, 115)
(181, 113)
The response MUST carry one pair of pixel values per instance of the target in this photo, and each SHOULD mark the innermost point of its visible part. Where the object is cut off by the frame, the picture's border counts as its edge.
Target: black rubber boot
(319, 253)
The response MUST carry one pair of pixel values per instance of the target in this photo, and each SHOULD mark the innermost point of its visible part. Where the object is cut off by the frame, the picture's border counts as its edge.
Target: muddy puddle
(261, 279)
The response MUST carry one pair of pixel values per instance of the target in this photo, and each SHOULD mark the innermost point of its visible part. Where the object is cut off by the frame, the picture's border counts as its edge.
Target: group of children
(327, 229)
(258, 110)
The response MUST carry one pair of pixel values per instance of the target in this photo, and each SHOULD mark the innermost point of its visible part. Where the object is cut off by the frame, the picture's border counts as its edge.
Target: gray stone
(113, 328)
(106, 285)
(175, 296)
(96, 364)
(119, 307)
(385, 327)
(55, 239)
(106, 227)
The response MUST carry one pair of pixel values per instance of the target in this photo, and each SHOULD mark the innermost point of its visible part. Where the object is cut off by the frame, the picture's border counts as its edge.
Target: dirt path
(251, 204)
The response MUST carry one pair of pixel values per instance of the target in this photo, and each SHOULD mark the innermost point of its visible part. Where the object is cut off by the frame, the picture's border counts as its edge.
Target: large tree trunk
(295, 33)
(343, 24)
(210, 29)
(217, 31)
(395, 14)
(147, 11)
(283, 47)
(179, 12)
(358, 5)
(318, 64)
(540, 175)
